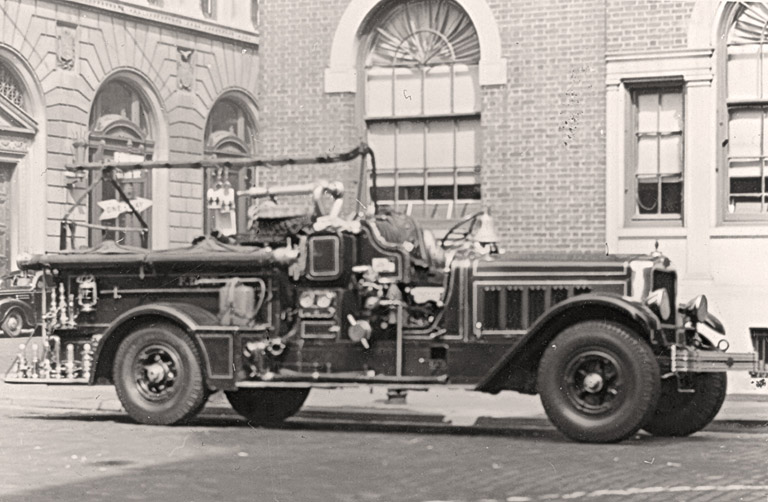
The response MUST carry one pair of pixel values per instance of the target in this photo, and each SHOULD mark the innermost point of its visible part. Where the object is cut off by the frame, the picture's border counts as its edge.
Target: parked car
(20, 301)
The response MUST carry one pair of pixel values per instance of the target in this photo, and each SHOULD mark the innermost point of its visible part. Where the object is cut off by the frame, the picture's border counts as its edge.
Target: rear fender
(187, 316)
(516, 370)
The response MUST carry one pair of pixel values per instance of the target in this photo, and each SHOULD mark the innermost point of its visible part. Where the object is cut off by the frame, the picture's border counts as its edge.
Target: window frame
(633, 88)
(240, 179)
(102, 144)
(423, 119)
(724, 108)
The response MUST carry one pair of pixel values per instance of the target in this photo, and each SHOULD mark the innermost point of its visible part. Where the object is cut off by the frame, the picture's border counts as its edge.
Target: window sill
(650, 232)
(739, 231)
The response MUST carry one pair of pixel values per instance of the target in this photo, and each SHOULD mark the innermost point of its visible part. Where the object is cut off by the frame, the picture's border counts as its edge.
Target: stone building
(127, 80)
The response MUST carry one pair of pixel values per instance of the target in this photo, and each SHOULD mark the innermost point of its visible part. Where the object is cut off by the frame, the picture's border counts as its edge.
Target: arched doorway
(17, 132)
(121, 128)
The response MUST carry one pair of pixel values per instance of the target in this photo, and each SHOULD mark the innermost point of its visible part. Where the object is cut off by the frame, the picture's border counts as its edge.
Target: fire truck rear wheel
(267, 406)
(599, 382)
(158, 377)
(683, 413)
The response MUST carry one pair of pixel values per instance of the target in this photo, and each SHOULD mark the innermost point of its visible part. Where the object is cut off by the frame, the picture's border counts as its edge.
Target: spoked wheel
(267, 406)
(683, 413)
(158, 377)
(598, 381)
(13, 323)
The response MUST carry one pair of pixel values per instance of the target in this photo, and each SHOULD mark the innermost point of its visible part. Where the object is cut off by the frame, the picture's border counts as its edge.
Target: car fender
(516, 370)
(9, 303)
(185, 315)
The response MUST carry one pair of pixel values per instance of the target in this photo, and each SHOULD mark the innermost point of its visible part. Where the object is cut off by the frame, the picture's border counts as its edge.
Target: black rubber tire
(629, 386)
(13, 314)
(184, 397)
(681, 413)
(267, 406)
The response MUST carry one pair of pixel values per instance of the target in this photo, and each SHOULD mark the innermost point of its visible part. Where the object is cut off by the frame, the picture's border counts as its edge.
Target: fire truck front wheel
(599, 382)
(157, 375)
(267, 406)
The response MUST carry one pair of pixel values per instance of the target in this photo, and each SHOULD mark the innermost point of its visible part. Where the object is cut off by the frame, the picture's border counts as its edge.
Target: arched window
(10, 88)
(230, 132)
(745, 177)
(120, 129)
(422, 108)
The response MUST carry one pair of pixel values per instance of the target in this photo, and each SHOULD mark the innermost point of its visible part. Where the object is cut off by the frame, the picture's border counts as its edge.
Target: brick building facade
(604, 125)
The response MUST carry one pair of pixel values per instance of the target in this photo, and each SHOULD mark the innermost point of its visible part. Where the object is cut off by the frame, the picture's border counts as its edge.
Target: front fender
(517, 368)
(10, 303)
(187, 316)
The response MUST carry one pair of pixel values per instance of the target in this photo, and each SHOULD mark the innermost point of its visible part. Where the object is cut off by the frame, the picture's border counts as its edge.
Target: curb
(363, 416)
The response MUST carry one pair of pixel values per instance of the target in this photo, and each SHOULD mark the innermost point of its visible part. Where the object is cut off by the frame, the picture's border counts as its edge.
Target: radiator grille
(760, 343)
(516, 308)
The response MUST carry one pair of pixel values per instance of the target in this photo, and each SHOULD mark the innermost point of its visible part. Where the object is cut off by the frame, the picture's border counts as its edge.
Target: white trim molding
(695, 69)
(341, 74)
(693, 65)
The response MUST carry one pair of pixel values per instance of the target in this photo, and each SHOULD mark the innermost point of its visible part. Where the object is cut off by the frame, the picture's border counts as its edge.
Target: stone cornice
(168, 19)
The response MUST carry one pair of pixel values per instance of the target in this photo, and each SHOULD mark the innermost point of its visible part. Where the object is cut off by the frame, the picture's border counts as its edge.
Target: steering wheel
(459, 233)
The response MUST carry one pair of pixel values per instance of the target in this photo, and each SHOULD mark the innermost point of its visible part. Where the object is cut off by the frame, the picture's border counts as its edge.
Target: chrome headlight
(307, 299)
(660, 304)
(697, 309)
(324, 300)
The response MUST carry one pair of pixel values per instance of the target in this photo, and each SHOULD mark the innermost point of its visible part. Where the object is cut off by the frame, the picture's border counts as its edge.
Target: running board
(337, 380)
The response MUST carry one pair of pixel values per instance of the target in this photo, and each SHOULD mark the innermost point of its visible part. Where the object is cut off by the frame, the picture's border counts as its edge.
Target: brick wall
(543, 146)
(640, 25)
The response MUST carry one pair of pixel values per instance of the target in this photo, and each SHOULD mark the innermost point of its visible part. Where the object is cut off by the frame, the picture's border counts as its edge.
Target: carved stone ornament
(185, 69)
(66, 36)
(11, 147)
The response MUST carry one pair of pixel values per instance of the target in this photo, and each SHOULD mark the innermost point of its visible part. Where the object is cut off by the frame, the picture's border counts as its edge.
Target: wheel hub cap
(156, 373)
(593, 383)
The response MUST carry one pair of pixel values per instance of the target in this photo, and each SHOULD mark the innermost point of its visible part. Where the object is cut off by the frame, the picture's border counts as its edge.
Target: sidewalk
(438, 407)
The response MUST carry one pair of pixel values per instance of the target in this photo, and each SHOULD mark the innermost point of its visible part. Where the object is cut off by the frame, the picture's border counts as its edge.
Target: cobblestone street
(71, 456)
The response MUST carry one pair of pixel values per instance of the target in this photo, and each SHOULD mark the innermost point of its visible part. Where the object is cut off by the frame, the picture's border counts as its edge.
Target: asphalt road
(67, 456)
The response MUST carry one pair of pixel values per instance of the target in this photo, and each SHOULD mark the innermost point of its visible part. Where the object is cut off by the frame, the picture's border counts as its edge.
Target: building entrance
(6, 170)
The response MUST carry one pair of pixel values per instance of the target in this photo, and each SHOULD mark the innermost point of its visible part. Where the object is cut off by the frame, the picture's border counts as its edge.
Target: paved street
(72, 456)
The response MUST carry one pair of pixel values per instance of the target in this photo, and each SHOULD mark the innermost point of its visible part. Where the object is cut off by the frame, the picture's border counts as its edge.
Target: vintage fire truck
(328, 300)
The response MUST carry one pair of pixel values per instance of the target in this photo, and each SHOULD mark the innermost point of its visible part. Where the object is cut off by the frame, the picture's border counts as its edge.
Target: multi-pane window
(120, 130)
(746, 174)
(422, 109)
(229, 132)
(657, 164)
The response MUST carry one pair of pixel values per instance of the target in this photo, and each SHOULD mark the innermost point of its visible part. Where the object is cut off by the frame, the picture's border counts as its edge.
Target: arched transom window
(422, 108)
(10, 88)
(120, 129)
(746, 159)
